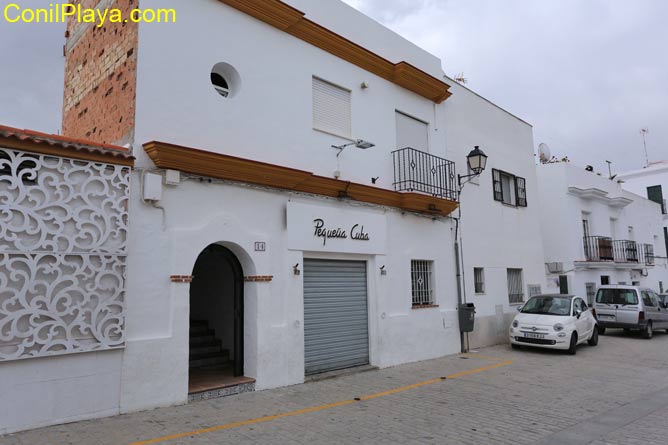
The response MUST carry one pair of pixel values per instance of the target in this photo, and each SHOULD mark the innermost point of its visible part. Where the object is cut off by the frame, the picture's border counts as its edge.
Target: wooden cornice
(220, 166)
(294, 22)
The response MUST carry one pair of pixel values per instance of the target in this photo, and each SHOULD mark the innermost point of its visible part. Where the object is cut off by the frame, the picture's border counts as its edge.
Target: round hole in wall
(225, 80)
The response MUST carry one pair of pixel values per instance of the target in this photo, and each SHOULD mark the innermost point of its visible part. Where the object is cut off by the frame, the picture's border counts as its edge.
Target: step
(200, 330)
(201, 340)
(205, 349)
(207, 360)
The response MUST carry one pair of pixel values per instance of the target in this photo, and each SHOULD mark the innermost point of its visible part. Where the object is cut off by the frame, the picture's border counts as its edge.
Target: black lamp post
(477, 161)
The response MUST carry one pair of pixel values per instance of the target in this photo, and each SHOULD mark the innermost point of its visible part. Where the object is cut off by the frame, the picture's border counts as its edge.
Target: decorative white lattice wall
(63, 231)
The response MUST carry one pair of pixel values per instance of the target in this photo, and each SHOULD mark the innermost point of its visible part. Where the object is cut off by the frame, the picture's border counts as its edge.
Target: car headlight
(515, 323)
(558, 327)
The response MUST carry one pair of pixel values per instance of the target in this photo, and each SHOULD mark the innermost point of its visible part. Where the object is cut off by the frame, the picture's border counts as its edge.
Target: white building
(651, 182)
(297, 216)
(596, 233)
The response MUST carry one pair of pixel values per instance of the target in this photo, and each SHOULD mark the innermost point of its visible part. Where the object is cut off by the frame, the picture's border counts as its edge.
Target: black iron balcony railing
(417, 171)
(626, 251)
(603, 248)
(598, 248)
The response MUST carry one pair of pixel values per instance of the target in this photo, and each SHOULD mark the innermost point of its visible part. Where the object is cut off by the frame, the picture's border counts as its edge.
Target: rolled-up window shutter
(331, 108)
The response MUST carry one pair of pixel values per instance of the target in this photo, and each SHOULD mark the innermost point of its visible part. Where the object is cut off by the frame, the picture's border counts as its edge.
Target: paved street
(616, 393)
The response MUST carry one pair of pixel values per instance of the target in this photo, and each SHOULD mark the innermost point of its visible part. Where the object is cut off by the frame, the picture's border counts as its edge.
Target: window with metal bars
(591, 292)
(509, 189)
(479, 280)
(422, 282)
(515, 286)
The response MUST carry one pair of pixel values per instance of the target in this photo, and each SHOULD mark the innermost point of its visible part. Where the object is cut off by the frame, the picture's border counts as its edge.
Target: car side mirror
(519, 308)
(578, 314)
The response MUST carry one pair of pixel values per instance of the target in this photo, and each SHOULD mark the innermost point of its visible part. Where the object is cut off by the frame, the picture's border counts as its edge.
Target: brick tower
(100, 77)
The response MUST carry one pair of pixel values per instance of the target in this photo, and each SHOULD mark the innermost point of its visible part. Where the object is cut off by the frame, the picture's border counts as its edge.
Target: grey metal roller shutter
(336, 333)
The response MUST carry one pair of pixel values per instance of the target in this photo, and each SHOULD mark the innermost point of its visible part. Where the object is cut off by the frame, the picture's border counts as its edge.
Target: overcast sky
(588, 74)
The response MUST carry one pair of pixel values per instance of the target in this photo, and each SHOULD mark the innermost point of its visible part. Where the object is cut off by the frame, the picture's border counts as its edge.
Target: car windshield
(617, 296)
(548, 305)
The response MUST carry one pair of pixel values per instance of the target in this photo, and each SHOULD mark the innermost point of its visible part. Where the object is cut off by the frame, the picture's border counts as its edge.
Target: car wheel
(601, 330)
(648, 332)
(574, 343)
(593, 340)
(514, 346)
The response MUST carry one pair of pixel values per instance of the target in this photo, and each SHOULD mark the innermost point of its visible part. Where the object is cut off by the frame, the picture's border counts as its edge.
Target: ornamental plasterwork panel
(63, 231)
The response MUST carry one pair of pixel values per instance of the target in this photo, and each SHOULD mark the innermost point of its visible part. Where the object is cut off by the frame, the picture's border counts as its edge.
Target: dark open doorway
(216, 319)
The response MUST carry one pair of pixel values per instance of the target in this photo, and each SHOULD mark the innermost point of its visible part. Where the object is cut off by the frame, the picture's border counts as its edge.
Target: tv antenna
(544, 153)
(609, 169)
(644, 132)
(461, 79)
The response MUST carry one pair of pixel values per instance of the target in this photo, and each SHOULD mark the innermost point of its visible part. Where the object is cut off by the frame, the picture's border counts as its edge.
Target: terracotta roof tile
(79, 145)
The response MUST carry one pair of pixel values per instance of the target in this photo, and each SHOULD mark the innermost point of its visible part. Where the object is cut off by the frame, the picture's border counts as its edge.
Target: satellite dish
(544, 153)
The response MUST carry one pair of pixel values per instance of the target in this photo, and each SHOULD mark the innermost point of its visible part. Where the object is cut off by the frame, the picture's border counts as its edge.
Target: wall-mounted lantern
(477, 162)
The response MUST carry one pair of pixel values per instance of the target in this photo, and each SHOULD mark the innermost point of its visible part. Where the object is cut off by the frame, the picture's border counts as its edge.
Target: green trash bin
(466, 317)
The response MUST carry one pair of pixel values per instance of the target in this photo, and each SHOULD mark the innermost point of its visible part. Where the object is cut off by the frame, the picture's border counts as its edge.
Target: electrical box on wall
(152, 187)
(172, 177)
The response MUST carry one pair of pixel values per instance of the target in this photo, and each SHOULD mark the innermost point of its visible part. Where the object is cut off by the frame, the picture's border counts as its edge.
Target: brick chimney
(101, 77)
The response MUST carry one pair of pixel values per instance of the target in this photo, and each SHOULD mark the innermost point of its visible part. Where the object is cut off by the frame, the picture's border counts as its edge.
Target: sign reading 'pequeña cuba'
(331, 228)
(357, 232)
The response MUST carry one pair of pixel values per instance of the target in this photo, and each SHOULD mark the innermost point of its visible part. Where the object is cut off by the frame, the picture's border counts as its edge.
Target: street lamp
(359, 143)
(477, 161)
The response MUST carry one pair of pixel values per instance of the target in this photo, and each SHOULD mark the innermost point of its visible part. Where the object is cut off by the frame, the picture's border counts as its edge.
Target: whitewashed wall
(237, 217)
(63, 228)
(495, 236)
(562, 226)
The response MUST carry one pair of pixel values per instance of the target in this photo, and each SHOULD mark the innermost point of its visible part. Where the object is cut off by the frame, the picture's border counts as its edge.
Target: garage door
(336, 333)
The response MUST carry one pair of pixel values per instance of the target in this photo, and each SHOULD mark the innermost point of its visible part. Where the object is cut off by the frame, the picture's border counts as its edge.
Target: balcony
(605, 249)
(417, 171)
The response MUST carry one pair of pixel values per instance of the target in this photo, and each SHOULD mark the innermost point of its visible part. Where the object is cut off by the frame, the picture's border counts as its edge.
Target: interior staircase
(211, 370)
(205, 349)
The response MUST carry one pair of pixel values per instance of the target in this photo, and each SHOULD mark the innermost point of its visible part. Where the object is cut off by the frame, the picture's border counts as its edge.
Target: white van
(630, 307)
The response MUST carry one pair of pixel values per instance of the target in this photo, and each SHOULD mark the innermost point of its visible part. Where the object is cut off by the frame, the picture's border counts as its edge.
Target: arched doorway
(216, 318)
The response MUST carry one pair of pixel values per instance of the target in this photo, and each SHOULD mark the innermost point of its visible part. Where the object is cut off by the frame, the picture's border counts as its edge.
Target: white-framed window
(515, 286)
(412, 132)
(332, 111)
(479, 280)
(422, 282)
(509, 189)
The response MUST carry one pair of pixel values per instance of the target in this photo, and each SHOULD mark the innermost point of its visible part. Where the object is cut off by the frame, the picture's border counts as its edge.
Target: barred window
(515, 286)
(479, 280)
(422, 282)
(509, 189)
(591, 292)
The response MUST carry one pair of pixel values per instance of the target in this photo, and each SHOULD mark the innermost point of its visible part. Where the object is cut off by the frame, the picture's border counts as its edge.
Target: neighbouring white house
(651, 182)
(500, 213)
(292, 210)
(597, 233)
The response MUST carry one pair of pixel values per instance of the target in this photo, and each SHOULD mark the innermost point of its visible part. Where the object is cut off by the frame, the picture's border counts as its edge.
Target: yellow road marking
(321, 407)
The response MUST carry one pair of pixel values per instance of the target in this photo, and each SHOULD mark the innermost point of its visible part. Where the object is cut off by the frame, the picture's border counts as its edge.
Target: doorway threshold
(212, 383)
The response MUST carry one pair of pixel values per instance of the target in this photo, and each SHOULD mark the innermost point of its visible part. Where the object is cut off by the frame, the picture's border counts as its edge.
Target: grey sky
(588, 74)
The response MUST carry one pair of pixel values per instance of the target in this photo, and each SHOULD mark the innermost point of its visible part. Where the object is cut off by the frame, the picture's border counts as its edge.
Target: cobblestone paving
(538, 395)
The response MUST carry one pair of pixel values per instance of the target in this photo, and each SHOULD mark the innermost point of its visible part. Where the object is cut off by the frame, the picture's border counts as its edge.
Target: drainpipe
(461, 297)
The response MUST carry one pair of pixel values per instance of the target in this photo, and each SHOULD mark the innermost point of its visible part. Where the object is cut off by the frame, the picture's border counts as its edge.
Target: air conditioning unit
(555, 267)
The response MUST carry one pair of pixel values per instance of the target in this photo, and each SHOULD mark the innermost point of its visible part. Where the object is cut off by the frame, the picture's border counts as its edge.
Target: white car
(554, 322)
